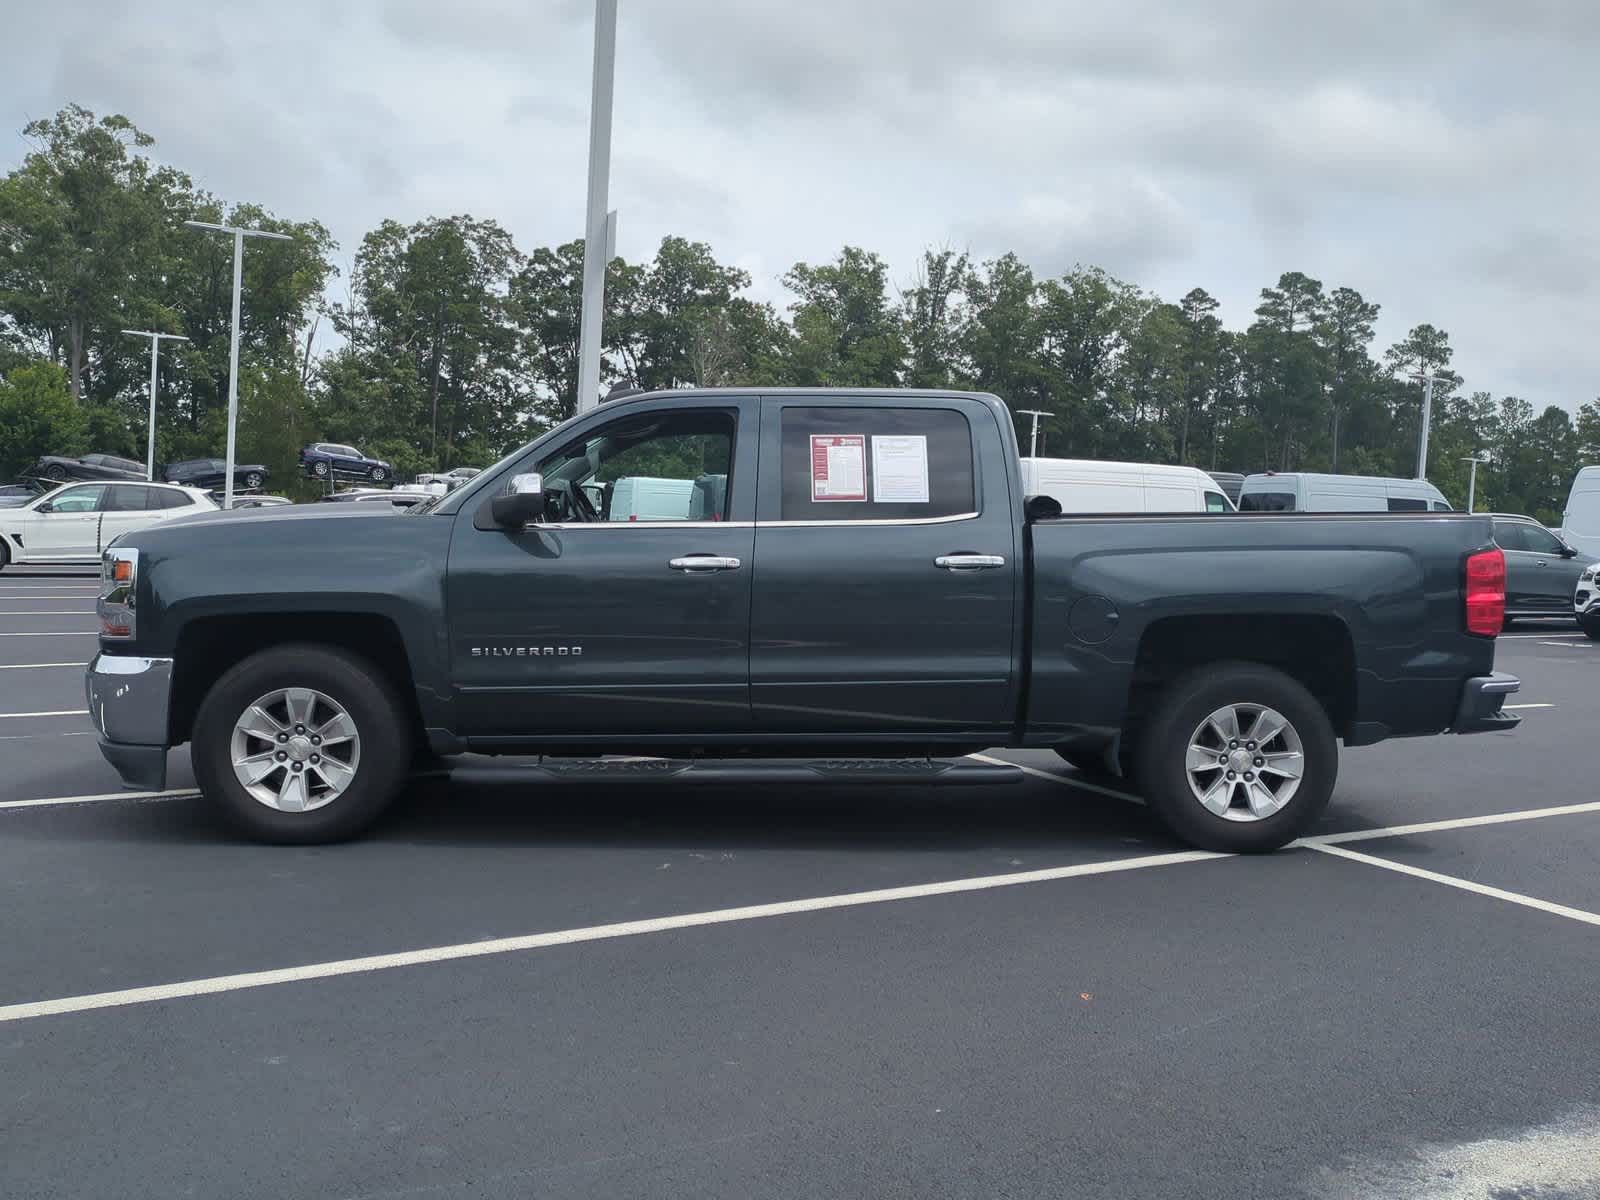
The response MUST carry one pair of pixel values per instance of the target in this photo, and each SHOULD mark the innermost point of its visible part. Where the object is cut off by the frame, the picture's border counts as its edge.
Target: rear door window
(1407, 504)
(128, 497)
(1266, 502)
(1216, 502)
(876, 464)
(173, 499)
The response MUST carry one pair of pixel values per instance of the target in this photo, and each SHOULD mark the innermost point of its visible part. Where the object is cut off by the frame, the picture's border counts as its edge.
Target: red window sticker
(838, 466)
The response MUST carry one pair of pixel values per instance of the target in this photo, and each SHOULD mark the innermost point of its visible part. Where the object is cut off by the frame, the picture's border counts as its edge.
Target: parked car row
(191, 472)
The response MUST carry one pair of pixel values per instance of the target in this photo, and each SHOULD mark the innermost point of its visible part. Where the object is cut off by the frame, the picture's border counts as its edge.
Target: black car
(1542, 571)
(90, 466)
(212, 472)
(321, 460)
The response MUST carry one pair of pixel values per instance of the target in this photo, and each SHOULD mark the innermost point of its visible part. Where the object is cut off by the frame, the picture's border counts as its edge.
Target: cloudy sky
(1437, 155)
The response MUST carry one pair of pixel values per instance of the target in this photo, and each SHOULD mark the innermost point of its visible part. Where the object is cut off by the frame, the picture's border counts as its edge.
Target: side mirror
(45, 507)
(522, 504)
(1568, 552)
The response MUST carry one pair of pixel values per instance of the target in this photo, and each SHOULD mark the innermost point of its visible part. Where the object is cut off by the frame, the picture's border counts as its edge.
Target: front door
(628, 610)
(888, 562)
(67, 525)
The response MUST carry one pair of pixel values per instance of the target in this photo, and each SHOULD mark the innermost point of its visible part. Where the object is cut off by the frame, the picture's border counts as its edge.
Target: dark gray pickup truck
(788, 585)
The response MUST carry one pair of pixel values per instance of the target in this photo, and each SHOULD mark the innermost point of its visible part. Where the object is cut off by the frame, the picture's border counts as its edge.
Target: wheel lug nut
(315, 740)
(296, 767)
(283, 737)
(1230, 775)
(299, 728)
(1249, 775)
(1223, 759)
(1261, 762)
(316, 758)
(280, 756)
(1249, 745)
(1233, 745)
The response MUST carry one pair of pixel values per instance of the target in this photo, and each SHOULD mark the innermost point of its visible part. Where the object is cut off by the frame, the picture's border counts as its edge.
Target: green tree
(846, 333)
(38, 416)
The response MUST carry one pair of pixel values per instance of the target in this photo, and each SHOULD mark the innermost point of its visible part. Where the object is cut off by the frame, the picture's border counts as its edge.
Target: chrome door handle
(703, 563)
(969, 562)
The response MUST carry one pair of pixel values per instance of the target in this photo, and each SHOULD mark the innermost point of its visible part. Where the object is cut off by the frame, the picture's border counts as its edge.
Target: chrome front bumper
(128, 702)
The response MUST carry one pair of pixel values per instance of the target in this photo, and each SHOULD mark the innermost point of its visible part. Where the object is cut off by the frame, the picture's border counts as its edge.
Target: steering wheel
(577, 503)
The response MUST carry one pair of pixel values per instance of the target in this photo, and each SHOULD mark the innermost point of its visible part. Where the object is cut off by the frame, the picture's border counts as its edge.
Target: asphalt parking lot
(1018, 991)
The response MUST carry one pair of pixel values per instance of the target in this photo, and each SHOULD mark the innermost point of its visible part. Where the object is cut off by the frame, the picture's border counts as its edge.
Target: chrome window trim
(570, 526)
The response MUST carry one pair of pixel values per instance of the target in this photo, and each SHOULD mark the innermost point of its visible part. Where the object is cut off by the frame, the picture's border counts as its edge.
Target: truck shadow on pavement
(1031, 817)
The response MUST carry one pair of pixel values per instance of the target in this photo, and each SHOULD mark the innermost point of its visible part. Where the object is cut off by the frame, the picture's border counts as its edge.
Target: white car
(450, 479)
(73, 524)
(1586, 601)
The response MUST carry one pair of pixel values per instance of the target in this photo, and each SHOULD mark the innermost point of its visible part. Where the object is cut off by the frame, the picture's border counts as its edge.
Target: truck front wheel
(1238, 757)
(301, 743)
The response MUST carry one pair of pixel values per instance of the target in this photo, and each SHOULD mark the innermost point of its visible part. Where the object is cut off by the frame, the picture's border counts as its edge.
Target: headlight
(119, 584)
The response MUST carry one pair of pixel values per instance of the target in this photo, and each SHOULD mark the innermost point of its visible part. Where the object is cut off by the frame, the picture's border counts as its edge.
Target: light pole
(1426, 378)
(239, 236)
(155, 348)
(598, 225)
(1033, 438)
(1472, 477)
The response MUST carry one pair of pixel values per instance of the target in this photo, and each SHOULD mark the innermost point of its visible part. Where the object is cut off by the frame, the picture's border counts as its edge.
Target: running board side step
(941, 772)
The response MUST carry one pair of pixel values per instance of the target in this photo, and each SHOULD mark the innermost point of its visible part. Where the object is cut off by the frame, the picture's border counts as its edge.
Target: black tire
(5, 555)
(377, 474)
(356, 685)
(56, 472)
(1590, 627)
(1164, 747)
(253, 480)
(320, 470)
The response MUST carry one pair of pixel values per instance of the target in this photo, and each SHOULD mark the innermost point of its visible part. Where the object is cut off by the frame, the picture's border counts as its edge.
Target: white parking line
(36, 666)
(1501, 818)
(568, 937)
(1466, 885)
(1519, 637)
(169, 795)
(1507, 706)
(46, 612)
(18, 597)
(57, 633)
(1571, 645)
(60, 712)
(1069, 780)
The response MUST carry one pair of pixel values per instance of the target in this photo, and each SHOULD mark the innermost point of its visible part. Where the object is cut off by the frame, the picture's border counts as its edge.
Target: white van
(1082, 485)
(1580, 526)
(1302, 491)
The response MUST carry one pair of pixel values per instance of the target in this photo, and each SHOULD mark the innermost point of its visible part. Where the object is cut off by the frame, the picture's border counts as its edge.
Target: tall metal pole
(150, 444)
(1472, 479)
(595, 225)
(233, 367)
(155, 347)
(1033, 438)
(1427, 419)
(239, 236)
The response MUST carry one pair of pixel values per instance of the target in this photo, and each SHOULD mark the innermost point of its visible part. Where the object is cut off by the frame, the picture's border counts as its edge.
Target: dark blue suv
(320, 460)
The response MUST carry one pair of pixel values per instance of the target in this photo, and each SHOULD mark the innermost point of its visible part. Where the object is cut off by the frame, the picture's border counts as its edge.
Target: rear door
(592, 624)
(888, 569)
(126, 507)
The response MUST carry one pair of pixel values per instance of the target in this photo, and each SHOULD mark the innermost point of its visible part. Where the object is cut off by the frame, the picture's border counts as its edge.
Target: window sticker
(838, 466)
(900, 469)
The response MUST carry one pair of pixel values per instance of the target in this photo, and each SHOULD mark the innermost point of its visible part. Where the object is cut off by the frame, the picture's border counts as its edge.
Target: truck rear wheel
(301, 743)
(1238, 757)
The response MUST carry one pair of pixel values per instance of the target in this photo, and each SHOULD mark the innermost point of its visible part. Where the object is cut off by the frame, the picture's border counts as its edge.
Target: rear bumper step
(1482, 704)
(920, 771)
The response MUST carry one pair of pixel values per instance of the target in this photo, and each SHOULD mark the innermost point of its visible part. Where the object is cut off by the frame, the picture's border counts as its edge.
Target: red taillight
(1486, 592)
